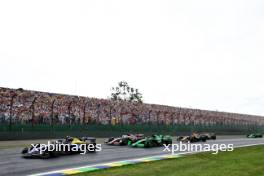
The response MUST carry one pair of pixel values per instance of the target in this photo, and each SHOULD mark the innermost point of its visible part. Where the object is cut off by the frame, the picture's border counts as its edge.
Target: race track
(11, 162)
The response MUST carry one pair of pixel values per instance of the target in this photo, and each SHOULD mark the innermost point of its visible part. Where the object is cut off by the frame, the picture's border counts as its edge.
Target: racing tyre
(25, 150)
(46, 155)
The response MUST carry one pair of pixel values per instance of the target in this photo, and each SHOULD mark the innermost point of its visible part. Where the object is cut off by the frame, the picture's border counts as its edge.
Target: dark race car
(209, 136)
(126, 139)
(153, 141)
(69, 145)
(255, 135)
(194, 137)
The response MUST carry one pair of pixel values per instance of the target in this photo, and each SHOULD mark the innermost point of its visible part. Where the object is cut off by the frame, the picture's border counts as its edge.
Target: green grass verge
(243, 162)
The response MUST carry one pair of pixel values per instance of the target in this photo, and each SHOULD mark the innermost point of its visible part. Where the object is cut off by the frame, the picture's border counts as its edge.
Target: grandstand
(18, 106)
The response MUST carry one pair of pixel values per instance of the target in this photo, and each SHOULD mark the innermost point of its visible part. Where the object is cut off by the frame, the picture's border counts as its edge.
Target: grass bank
(243, 162)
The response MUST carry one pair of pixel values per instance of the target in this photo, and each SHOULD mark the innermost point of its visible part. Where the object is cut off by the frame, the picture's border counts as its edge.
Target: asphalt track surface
(11, 162)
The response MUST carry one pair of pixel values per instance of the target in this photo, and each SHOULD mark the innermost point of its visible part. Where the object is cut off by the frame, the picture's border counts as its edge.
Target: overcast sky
(199, 54)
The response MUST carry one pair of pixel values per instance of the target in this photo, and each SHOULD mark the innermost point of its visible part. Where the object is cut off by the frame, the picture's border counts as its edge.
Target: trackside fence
(44, 131)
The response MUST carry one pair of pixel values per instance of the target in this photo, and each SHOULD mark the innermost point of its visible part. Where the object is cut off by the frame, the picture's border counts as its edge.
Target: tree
(126, 93)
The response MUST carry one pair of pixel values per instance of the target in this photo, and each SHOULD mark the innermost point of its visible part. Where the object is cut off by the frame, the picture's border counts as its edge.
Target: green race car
(153, 141)
(255, 135)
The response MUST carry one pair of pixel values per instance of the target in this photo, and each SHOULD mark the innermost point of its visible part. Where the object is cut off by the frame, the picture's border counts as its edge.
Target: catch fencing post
(149, 114)
(11, 109)
(33, 111)
(69, 112)
(84, 111)
(52, 113)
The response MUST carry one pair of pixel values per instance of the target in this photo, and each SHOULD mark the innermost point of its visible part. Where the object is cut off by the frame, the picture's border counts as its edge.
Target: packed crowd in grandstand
(24, 106)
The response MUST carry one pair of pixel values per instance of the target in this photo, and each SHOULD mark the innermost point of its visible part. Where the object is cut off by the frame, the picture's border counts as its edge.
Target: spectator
(34, 107)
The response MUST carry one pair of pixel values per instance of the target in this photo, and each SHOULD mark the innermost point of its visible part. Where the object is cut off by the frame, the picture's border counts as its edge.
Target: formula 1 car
(194, 137)
(209, 136)
(69, 145)
(255, 135)
(153, 141)
(126, 139)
